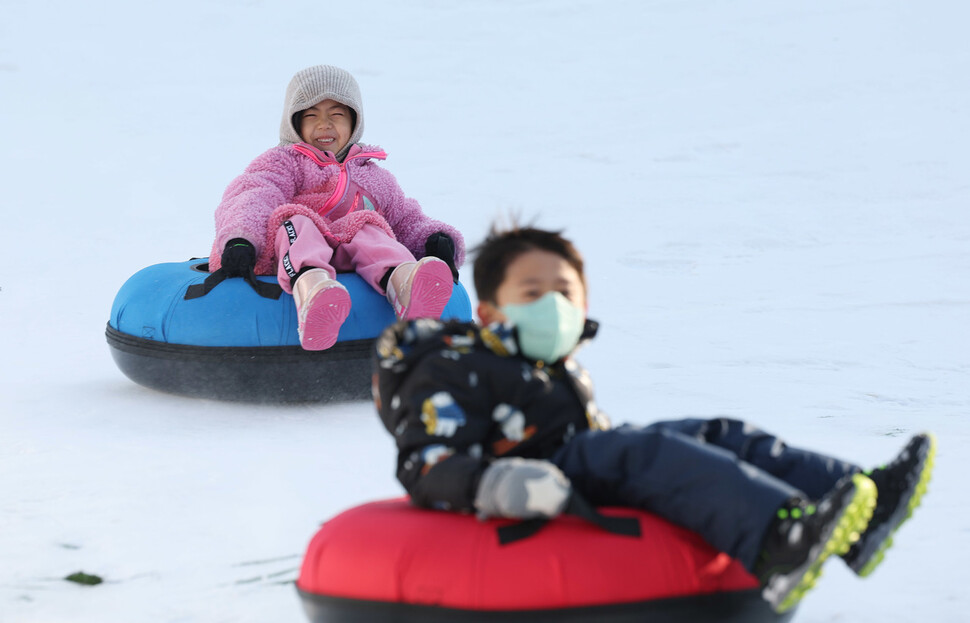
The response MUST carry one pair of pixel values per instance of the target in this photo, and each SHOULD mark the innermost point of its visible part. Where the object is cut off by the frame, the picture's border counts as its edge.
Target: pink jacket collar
(324, 158)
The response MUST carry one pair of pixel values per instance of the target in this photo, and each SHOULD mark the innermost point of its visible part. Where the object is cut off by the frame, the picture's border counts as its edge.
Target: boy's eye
(309, 115)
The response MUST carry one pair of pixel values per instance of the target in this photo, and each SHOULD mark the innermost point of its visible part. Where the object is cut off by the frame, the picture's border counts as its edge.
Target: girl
(318, 203)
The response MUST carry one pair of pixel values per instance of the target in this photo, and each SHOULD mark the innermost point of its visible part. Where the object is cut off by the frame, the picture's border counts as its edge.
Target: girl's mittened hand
(238, 258)
(441, 246)
(522, 488)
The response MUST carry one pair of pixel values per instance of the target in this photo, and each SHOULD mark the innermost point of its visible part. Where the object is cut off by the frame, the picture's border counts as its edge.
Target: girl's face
(327, 126)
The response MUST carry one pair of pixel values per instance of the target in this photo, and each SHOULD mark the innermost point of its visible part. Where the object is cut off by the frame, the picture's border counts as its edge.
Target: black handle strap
(578, 506)
(263, 288)
(521, 530)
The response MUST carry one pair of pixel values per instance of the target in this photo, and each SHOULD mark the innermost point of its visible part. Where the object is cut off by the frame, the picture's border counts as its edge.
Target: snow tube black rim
(745, 606)
(265, 374)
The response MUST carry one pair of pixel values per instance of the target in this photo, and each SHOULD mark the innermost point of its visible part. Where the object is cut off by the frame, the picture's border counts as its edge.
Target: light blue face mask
(549, 327)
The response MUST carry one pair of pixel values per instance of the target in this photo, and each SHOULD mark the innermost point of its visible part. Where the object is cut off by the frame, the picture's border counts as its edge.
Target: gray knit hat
(311, 86)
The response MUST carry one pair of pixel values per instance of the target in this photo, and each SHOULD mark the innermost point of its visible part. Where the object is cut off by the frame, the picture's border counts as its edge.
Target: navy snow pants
(723, 479)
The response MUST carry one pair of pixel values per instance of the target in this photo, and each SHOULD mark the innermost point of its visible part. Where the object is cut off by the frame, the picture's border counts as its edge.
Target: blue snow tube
(175, 327)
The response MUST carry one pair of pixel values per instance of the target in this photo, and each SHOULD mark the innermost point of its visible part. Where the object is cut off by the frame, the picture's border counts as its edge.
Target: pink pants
(371, 252)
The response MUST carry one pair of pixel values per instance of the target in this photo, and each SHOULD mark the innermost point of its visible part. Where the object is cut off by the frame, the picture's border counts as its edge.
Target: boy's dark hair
(501, 247)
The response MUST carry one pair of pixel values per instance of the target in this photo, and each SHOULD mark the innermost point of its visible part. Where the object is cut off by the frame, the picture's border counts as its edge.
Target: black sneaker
(804, 535)
(901, 485)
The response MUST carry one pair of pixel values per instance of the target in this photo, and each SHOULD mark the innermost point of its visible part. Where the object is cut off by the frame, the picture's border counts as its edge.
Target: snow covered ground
(773, 200)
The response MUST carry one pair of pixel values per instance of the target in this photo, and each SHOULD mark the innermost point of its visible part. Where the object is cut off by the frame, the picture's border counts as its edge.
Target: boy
(498, 419)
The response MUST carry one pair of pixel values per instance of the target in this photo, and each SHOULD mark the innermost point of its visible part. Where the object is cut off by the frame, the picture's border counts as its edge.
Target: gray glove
(522, 488)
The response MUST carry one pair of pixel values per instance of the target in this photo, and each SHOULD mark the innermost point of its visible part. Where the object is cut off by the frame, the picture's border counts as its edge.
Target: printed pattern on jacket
(456, 396)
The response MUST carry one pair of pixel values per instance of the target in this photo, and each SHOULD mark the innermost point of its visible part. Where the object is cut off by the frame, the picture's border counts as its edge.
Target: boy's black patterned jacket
(456, 396)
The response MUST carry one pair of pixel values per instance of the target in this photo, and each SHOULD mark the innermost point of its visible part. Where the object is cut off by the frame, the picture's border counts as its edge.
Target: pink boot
(322, 305)
(420, 289)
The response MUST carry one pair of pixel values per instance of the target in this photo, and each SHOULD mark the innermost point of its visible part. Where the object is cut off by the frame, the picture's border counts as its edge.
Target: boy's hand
(441, 246)
(238, 258)
(522, 488)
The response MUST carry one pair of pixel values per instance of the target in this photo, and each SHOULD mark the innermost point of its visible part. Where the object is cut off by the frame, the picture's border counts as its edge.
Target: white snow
(772, 198)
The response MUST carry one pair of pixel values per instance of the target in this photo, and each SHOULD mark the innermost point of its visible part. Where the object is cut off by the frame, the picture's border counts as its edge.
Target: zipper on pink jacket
(325, 158)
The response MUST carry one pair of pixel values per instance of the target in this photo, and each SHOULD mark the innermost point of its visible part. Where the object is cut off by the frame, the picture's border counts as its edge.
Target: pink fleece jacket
(297, 179)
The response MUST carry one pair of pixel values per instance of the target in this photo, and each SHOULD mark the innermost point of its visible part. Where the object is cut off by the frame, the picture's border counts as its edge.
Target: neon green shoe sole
(918, 492)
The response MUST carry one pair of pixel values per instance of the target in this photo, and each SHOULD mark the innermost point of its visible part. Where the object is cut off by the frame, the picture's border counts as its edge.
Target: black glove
(238, 258)
(440, 245)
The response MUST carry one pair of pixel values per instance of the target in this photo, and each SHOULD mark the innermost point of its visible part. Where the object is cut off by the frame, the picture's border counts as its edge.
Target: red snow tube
(390, 561)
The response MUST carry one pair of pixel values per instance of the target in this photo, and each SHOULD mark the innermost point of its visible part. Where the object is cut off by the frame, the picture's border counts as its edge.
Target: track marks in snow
(270, 571)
